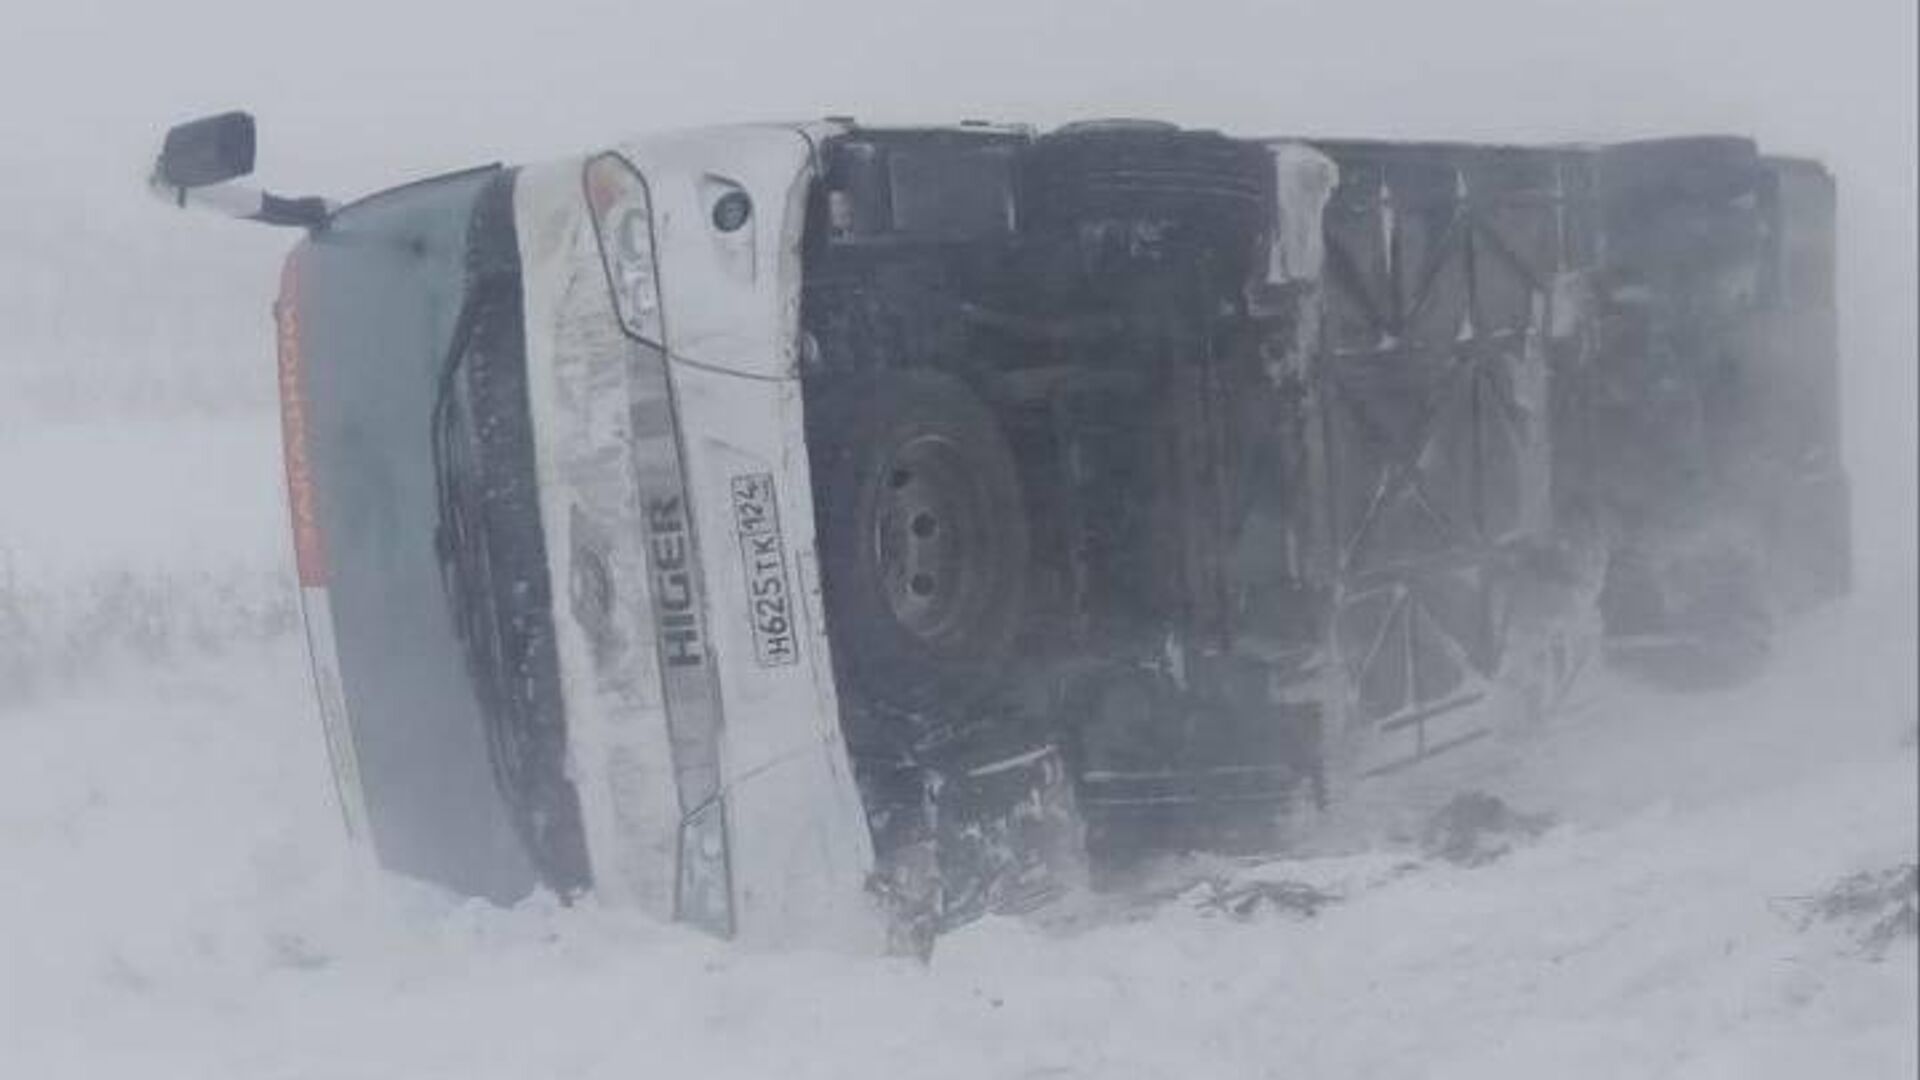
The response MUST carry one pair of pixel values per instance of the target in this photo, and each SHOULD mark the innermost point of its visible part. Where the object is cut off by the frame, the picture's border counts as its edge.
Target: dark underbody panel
(1274, 524)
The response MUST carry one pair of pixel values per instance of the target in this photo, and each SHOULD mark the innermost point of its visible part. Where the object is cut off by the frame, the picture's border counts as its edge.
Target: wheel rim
(932, 539)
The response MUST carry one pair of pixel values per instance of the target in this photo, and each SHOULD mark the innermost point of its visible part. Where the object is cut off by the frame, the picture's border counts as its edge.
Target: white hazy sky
(354, 94)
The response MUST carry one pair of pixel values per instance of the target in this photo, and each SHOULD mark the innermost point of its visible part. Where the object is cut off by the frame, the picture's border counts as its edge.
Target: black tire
(923, 539)
(1202, 177)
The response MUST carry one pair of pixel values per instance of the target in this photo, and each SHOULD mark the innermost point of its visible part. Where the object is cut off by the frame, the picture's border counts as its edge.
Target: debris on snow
(1246, 899)
(1476, 828)
(1876, 908)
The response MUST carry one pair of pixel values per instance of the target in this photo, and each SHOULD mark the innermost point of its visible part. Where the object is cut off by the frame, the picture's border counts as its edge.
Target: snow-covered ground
(134, 537)
(177, 899)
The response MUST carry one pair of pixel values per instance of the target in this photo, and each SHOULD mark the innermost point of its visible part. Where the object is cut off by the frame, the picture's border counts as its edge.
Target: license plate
(763, 558)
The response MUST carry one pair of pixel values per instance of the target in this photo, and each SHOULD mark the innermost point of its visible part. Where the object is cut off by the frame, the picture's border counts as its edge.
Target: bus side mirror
(211, 150)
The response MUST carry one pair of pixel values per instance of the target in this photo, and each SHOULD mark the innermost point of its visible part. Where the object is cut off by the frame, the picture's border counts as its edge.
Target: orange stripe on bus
(309, 553)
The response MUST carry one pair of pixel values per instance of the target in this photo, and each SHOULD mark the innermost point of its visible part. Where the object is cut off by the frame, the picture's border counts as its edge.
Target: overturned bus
(828, 533)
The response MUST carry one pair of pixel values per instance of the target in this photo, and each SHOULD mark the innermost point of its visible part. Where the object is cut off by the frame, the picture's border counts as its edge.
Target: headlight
(623, 223)
(705, 887)
(622, 213)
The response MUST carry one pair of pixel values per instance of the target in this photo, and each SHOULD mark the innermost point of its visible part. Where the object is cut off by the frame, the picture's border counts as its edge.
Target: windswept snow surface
(133, 540)
(178, 901)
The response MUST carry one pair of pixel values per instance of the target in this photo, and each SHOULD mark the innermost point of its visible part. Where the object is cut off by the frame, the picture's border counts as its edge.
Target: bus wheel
(923, 538)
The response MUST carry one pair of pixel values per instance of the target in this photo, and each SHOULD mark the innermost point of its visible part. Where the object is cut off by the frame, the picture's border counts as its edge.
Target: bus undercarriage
(1182, 471)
